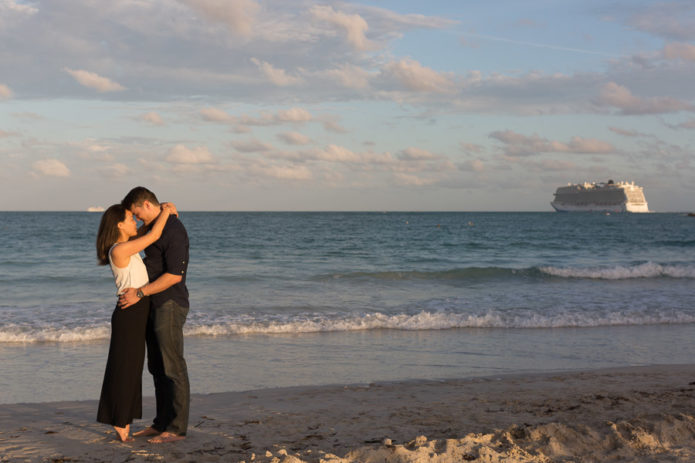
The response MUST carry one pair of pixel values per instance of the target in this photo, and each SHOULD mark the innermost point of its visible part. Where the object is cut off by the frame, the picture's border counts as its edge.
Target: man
(167, 263)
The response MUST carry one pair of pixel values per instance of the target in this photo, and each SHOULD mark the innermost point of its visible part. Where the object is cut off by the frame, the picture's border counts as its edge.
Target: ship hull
(599, 208)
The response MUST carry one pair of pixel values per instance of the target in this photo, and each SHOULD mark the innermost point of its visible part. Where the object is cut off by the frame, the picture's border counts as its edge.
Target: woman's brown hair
(108, 231)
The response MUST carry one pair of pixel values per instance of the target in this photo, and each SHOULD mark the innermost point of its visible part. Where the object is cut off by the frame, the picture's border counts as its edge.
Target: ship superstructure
(600, 197)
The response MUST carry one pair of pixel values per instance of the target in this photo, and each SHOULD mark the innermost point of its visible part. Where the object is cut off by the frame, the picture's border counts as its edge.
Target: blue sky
(371, 105)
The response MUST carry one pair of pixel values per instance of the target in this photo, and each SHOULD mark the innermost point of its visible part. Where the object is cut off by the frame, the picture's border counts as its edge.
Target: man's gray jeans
(168, 367)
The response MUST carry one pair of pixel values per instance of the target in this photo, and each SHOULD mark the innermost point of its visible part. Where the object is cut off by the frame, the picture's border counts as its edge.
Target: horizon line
(376, 211)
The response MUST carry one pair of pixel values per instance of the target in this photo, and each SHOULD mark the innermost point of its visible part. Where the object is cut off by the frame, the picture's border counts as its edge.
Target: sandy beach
(637, 414)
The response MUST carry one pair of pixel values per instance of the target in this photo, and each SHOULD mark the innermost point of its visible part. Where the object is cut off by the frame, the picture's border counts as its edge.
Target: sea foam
(646, 270)
(14, 334)
(229, 325)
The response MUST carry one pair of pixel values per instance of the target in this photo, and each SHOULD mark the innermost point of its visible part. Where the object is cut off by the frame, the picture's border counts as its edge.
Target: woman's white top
(132, 276)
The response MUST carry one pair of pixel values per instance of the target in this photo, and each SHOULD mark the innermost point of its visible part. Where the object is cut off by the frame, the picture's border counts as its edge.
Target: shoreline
(609, 414)
(58, 372)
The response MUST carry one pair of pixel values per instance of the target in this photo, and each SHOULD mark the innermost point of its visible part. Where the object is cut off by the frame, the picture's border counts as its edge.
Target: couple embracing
(152, 309)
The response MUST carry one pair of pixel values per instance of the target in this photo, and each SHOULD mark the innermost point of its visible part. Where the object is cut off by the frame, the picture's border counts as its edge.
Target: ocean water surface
(280, 299)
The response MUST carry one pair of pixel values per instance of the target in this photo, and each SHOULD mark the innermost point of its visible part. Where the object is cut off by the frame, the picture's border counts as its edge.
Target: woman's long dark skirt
(121, 393)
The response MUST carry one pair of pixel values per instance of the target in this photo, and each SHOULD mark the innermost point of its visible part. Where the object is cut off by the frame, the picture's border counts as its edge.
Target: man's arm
(164, 282)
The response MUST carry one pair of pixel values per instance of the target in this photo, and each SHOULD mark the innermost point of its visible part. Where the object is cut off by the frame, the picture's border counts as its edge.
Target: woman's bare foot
(148, 431)
(166, 437)
(123, 433)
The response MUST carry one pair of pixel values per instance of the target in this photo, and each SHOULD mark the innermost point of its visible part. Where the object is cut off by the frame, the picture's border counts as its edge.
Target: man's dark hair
(137, 196)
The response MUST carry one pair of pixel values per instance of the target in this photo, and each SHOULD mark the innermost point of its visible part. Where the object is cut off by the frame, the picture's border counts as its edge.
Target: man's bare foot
(148, 431)
(123, 433)
(166, 437)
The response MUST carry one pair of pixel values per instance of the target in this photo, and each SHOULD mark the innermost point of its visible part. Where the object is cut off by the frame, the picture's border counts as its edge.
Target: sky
(378, 105)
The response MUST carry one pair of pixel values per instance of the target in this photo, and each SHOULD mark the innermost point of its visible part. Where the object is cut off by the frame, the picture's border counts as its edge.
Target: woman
(117, 245)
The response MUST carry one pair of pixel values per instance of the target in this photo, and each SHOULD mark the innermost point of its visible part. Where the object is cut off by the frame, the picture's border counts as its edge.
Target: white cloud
(182, 48)
(13, 6)
(391, 22)
(410, 160)
(477, 165)
(51, 168)
(153, 118)
(251, 146)
(281, 172)
(471, 147)
(588, 145)
(626, 132)
(340, 154)
(620, 97)
(517, 144)
(353, 25)
(5, 92)
(116, 170)
(284, 116)
(94, 148)
(689, 124)
(674, 19)
(548, 165)
(684, 51)
(416, 77)
(331, 124)
(90, 150)
(294, 115)
(533, 93)
(238, 15)
(474, 165)
(29, 116)
(335, 153)
(180, 154)
(413, 180)
(349, 76)
(94, 81)
(277, 76)
(416, 154)
(242, 129)
(294, 138)
(215, 115)
(221, 68)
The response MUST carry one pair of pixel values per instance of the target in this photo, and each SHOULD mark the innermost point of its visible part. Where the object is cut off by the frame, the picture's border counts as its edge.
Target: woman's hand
(170, 208)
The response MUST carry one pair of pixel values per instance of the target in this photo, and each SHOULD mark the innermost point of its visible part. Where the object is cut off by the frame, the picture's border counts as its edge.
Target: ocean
(306, 298)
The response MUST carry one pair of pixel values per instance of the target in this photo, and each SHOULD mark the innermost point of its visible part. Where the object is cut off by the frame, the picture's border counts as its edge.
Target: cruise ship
(600, 197)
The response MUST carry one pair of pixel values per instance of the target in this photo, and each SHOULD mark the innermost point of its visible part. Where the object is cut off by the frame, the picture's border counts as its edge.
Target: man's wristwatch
(140, 293)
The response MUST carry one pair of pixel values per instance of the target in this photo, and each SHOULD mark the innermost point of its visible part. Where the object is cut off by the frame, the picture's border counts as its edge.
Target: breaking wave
(321, 323)
(646, 270)
(617, 272)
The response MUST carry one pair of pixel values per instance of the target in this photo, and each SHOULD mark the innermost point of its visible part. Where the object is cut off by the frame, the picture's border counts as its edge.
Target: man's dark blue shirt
(169, 254)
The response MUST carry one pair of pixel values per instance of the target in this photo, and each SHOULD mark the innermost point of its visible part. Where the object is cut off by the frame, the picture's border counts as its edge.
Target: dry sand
(643, 414)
